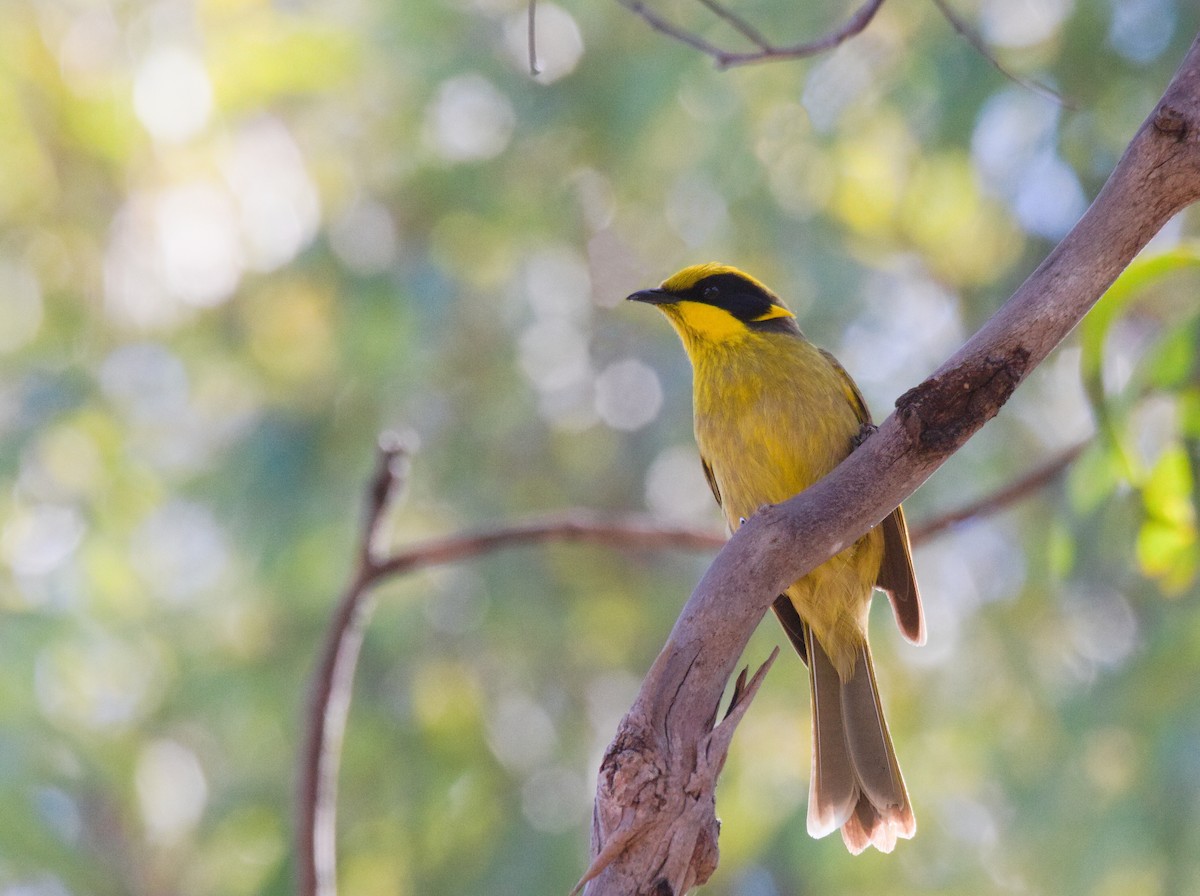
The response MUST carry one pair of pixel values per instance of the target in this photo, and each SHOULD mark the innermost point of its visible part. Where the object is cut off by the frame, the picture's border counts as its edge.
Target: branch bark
(646, 796)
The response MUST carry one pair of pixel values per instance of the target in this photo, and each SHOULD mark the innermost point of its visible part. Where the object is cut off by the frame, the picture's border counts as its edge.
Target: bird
(772, 415)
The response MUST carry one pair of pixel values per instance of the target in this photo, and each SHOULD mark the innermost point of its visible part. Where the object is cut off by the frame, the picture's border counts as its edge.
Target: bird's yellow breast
(772, 416)
(771, 419)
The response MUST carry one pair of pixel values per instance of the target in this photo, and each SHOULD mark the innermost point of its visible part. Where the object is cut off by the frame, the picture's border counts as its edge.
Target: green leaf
(1167, 491)
(1166, 543)
(1167, 553)
(1132, 286)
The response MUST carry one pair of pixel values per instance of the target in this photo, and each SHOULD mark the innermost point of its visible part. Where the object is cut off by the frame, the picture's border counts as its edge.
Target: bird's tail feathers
(856, 781)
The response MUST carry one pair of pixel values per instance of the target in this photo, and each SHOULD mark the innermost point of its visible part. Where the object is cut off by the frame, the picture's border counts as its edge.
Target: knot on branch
(663, 823)
(655, 828)
(942, 412)
(1170, 120)
(632, 772)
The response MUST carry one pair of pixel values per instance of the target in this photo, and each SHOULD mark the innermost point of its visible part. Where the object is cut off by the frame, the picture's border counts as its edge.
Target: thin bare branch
(738, 24)
(766, 52)
(971, 36)
(1001, 498)
(393, 462)
(665, 27)
(332, 684)
(331, 688)
(628, 532)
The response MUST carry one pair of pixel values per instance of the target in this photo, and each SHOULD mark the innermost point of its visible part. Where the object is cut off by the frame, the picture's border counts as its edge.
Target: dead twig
(328, 702)
(332, 683)
(987, 505)
(971, 36)
(765, 52)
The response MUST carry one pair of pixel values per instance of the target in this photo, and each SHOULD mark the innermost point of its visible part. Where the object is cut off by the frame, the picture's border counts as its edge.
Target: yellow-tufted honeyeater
(773, 414)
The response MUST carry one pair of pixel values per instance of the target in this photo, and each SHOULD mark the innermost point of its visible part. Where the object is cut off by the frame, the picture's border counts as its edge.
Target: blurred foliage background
(240, 238)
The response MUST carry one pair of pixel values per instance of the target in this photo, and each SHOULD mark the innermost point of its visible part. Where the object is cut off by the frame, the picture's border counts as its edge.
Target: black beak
(652, 297)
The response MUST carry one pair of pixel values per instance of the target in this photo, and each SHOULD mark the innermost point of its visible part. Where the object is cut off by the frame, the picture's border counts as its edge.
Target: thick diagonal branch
(1158, 176)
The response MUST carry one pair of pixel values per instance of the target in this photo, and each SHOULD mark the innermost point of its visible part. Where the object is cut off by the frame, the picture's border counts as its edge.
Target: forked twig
(328, 701)
(766, 52)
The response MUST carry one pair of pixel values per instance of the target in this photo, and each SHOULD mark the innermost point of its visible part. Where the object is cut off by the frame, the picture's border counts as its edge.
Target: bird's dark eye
(710, 292)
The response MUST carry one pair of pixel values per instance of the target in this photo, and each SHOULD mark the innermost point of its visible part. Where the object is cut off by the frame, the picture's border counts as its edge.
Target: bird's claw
(864, 432)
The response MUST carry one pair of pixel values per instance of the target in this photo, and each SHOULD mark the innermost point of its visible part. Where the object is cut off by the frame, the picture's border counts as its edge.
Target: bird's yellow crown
(682, 281)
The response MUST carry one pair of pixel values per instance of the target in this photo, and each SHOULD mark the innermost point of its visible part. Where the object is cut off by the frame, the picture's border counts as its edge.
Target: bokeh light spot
(1021, 23)
(676, 490)
(520, 733)
(558, 39)
(196, 229)
(172, 95)
(179, 550)
(1141, 29)
(469, 119)
(364, 237)
(696, 211)
(146, 381)
(628, 394)
(555, 799)
(98, 681)
(37, 540)
(553, 354)
(557, 283)
(172, 790)
(277, 203)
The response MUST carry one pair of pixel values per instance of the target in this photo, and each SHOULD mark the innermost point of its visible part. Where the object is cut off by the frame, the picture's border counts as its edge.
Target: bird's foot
(865, 432)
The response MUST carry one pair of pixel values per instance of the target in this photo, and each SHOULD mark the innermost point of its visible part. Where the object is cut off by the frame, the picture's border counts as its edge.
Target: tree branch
(999, 499)
(766, 52)
(659, 742)
(328, 700)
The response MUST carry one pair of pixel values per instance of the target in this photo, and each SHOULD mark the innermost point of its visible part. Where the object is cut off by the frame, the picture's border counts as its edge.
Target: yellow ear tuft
(774, 312)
